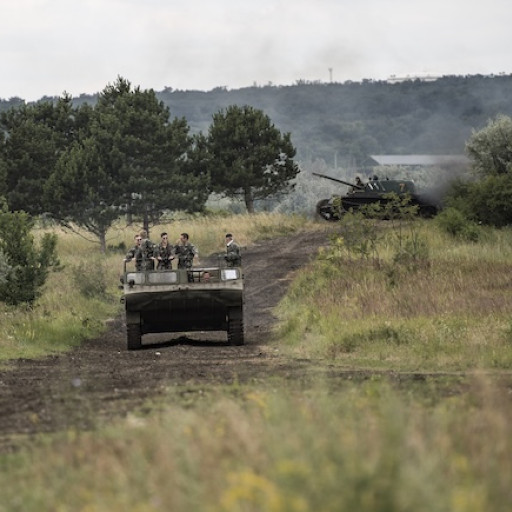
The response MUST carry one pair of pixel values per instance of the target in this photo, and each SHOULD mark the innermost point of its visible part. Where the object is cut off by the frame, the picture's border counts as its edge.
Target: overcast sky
(79, 46)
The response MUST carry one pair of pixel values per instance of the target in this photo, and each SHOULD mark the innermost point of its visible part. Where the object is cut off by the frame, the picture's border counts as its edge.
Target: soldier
(185, 251)
(164, 253)
(135, 253)
(233, 256)
(148, 251)
(142, 252)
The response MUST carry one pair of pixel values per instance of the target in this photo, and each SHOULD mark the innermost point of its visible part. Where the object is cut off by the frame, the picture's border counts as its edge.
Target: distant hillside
(357, 119)
(344, 123)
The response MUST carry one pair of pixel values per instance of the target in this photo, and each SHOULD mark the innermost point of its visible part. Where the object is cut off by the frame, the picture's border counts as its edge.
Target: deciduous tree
(488, 199)
(491, 147)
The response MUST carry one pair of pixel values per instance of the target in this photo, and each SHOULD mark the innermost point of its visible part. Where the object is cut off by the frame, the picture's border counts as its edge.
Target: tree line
(351, 120)
(87, 165)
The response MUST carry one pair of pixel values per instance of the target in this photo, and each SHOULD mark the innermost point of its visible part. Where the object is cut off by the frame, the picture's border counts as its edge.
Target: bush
(90, 280)
(487, 201)
(25, 266)
(455, 223)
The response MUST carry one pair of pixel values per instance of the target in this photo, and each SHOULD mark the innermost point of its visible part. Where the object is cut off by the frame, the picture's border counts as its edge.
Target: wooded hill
(354, 120)
(346, 122)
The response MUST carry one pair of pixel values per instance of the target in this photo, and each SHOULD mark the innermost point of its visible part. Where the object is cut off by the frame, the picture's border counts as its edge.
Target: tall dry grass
(451, 312)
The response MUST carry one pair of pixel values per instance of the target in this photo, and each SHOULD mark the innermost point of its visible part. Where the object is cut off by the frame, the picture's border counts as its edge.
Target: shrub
(455, 223)
(90, 280)
(487, 200)
(25, 266)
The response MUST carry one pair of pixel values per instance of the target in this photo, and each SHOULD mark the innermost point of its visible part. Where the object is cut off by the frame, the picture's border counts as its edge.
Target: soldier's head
(184, 237)
(164, 236)
(138, 239)
(229, 237)
(143, 233)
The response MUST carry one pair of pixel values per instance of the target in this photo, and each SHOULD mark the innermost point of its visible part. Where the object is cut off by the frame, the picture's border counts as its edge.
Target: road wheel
(133, 336)
(236, 326)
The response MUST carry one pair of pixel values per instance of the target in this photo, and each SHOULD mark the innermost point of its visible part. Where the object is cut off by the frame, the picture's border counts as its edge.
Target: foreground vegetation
(362, 446)
(428, 429)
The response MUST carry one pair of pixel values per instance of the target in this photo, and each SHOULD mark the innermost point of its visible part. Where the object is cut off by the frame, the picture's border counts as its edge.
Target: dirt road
(101, 379)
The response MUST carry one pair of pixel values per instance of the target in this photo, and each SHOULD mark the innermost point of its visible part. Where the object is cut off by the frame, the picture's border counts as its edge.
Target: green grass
(339, 446)
(450, 312)
(424, 424)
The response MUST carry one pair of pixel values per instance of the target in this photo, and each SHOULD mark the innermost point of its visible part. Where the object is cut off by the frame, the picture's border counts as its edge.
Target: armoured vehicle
(373, 191)
(183, 300)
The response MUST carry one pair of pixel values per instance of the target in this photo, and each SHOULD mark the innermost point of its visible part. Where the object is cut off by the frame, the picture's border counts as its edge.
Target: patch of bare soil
(101, 379)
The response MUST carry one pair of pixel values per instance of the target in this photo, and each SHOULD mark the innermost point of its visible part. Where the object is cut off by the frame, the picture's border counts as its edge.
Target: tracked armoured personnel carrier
(197, 299)
(371, 192)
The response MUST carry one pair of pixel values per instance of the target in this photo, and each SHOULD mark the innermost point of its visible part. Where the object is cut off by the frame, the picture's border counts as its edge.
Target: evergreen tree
(155, 159)
(23, 266)
(3, 172)
(81, 191)
(37, 135)
(249, 156)
(131, 159)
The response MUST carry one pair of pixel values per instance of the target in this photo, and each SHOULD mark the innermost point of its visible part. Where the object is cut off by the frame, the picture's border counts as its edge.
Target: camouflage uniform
(185, 254)
(165, 253)
(142, 255)
(233, 256)
(135, 253)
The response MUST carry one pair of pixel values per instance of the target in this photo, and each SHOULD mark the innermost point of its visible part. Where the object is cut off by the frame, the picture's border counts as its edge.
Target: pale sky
(48, 47)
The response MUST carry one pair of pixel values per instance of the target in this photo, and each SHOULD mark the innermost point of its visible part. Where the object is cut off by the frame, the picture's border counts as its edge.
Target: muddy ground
(101, 379)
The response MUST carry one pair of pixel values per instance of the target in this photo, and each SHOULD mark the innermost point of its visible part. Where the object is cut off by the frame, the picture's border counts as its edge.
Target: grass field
(335, 447)
(448, 310)
(386, 442)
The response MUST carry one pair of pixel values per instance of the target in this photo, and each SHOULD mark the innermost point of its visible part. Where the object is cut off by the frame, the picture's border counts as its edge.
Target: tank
(197, 299)
(373, 191)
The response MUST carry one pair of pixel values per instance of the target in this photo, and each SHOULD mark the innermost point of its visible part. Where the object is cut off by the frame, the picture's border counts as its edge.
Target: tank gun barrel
(360, 187)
